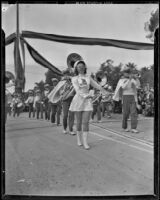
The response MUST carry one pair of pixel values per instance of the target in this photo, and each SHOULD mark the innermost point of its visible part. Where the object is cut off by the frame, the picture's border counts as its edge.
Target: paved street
(41, 160)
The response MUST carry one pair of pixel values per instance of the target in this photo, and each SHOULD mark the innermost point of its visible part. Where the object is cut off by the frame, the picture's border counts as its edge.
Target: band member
(82, 101)
(127, 90)
(29, 102)
(8, 102)
(9, 82)
(36, 87)
(21, 104)
(47, 108)
(67, 96)
(107, 101)
(54, 83)
(16, 101)
(55, 107)
(96, 105)
(38, 104)
(9, 108)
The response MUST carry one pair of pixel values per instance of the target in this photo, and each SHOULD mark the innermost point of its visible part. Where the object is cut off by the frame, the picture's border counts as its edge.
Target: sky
(109, 21)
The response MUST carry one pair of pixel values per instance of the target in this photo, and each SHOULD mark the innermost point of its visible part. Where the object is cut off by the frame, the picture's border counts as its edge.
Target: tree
(107, 66)
(152, 25)
(147, 76)
(113, 72)
(115, 76)
(152, 68)
(144, 69)
(132, 66)
(40, 85)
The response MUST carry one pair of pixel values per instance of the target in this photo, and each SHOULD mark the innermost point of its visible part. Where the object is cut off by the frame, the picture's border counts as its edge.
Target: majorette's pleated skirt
(80, 103)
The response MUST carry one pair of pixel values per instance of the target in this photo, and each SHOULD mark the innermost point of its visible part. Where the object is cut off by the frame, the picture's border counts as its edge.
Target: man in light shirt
(127, 91)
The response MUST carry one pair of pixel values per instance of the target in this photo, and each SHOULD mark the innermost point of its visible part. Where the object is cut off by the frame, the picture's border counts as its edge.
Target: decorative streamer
(19, 71)
(89, 41)
(41, 60)
(83, 41)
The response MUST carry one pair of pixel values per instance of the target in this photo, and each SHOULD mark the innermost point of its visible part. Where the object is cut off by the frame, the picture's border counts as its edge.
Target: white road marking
(130, 145)
(128, 137)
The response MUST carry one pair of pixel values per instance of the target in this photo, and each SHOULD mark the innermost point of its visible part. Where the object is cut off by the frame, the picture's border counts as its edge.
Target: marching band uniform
(9, 82)
(8, 103)
(82, 103)
(68, 116)
(34, 94)
(106, 102)
(30, 101)
(47, 107)
(81, 85)
(15, 101)
(55, 107)
(96, 106)
(38, 105)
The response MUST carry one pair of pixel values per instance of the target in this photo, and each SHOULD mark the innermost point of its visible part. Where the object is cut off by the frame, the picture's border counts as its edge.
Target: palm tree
(40, 85)
(152, 67)
(49, 75)
(147, 76)
(107, 66)
(152, 24)
(144, 69)
(115, 75)
(131, 65)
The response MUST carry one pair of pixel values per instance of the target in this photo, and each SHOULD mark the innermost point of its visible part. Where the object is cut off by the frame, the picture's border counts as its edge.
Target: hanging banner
(83, 41)
(11, 38)
(41, 60)
(23, 52)
(89, 41)
(19, 71)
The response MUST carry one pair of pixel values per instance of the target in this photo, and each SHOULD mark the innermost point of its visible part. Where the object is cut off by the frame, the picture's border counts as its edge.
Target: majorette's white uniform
(81, 84)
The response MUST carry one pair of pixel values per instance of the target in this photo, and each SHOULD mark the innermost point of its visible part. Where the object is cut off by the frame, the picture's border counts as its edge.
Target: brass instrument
(64, 88)
(101, 78)
(72, 58)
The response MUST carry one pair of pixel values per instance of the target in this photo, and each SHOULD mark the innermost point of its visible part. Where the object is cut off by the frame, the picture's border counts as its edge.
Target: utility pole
(18, 88)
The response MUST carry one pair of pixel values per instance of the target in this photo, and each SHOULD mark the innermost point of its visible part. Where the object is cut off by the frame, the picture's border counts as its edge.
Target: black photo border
(156, 195)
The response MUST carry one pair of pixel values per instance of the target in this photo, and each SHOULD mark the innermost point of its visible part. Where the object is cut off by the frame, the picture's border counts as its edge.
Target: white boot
(84, 137)
(79, 138)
